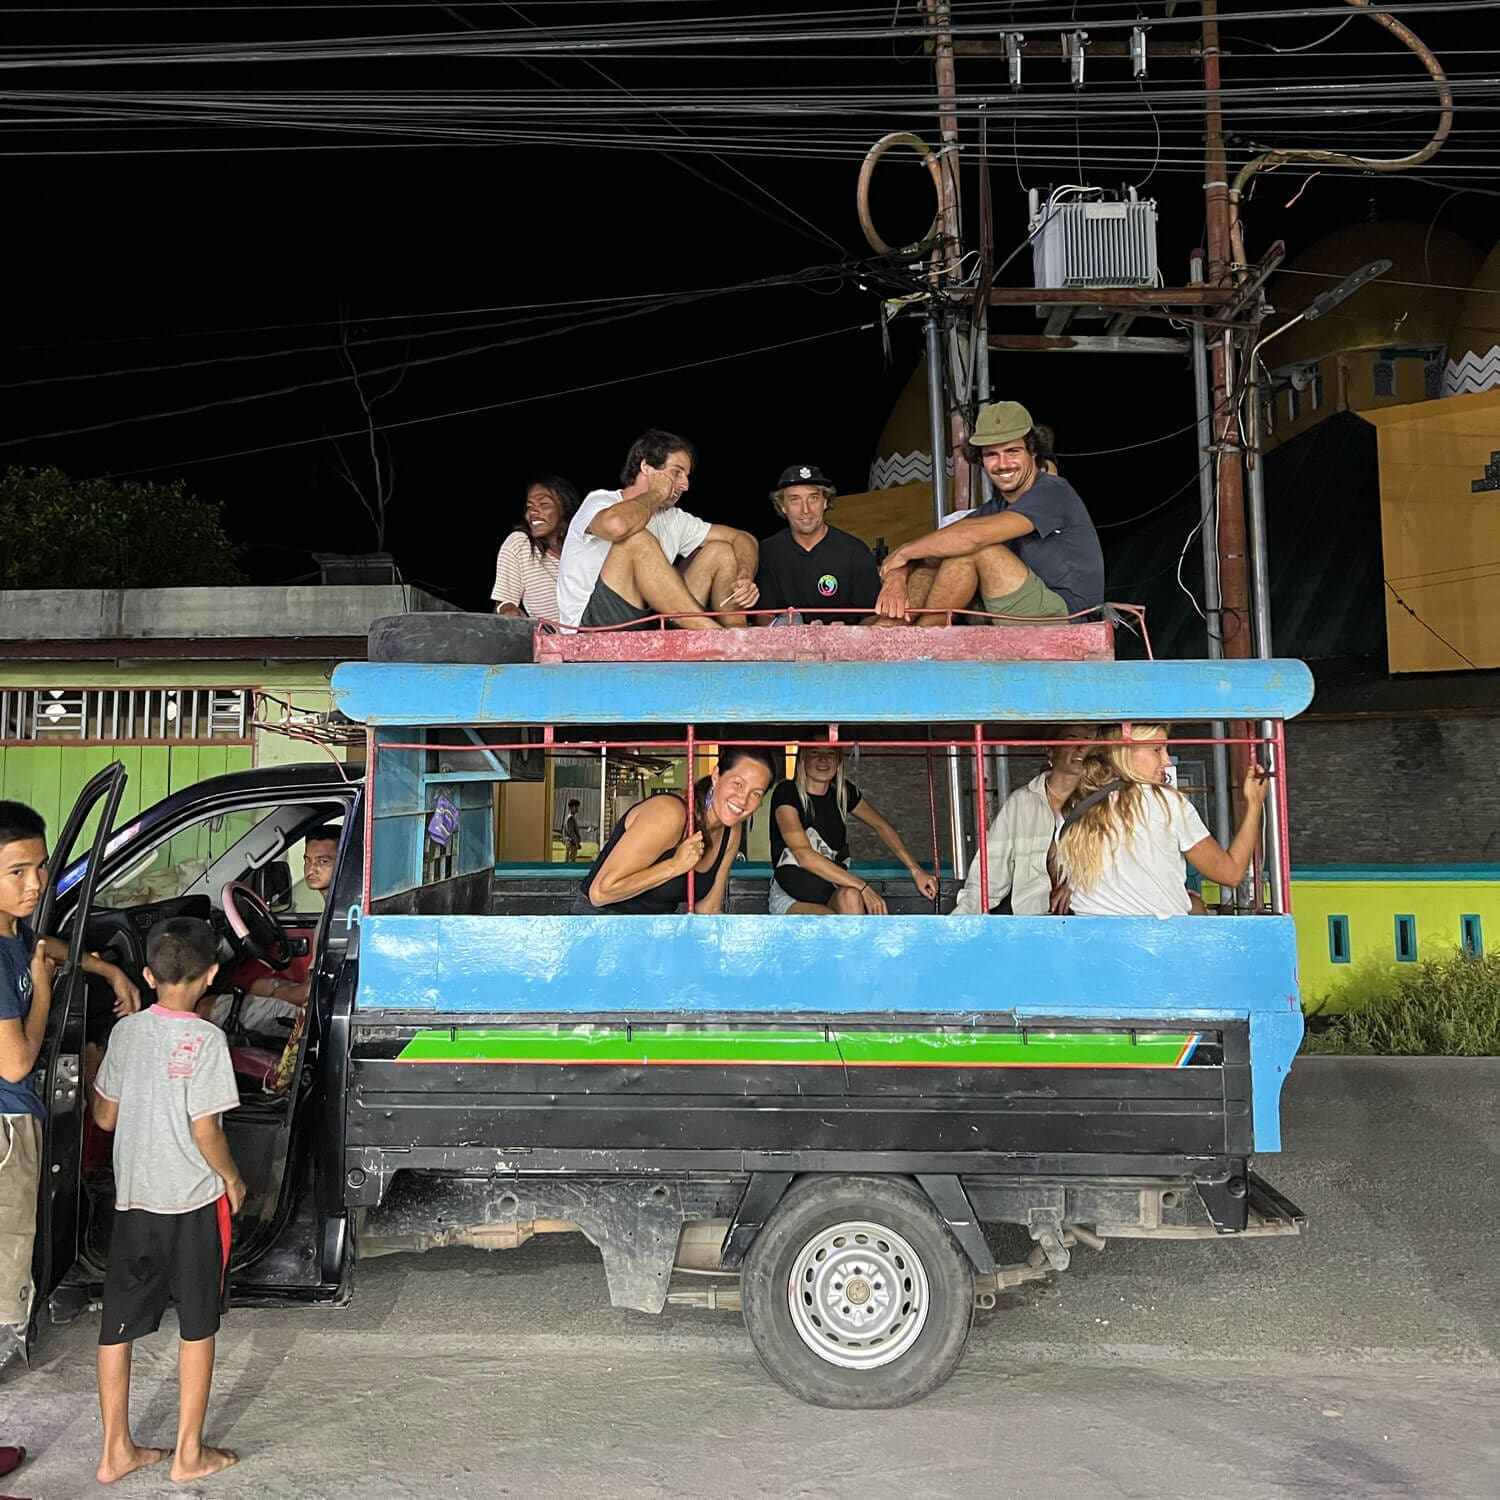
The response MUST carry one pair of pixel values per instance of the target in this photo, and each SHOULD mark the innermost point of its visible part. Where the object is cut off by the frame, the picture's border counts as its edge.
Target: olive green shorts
(1032, 601)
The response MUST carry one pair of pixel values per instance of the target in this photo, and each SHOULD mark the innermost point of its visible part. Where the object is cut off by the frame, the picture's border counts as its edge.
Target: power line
(692, 171)
(1436, 634)
(737, 31)
(289, 390)
(1162, 505)
(468, 411)
(1131, 447)
(456, 312)
(545, 312)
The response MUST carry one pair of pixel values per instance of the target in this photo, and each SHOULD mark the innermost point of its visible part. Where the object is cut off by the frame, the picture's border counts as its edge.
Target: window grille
(113, 715)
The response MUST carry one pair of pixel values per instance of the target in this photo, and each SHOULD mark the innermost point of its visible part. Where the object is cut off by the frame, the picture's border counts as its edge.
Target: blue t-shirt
(15, 1005)
(1063, 550)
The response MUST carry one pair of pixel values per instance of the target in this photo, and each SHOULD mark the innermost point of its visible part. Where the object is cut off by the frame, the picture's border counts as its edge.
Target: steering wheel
(254, 924)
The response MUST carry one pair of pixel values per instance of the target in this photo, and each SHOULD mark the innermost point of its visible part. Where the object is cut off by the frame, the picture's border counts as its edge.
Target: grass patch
(1446, 1007)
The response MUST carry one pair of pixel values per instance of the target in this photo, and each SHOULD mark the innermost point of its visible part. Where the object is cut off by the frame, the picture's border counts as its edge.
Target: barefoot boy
(165, 1082)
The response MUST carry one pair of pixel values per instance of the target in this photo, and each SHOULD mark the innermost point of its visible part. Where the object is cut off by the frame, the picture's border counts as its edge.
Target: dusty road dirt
(1359, 1361)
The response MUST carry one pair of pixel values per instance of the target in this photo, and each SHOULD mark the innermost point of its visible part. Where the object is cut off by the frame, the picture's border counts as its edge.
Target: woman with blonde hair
(1125, 831)
(810, 842)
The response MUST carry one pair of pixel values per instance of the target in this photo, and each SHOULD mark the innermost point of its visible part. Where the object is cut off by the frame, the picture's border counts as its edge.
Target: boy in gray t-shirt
(164, 1084)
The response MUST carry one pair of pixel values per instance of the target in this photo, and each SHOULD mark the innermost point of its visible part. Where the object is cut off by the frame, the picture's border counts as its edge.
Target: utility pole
(950, 248)
(940, 338)
(1233, 622)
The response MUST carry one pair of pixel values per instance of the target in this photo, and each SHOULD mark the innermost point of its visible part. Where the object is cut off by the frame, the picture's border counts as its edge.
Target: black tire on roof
(452, 639)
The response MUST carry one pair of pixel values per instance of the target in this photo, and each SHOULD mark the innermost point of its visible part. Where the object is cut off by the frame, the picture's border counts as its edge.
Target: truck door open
(57, 1221)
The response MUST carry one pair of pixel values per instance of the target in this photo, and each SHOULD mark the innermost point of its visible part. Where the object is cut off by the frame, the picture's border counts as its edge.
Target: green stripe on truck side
(813, 1047)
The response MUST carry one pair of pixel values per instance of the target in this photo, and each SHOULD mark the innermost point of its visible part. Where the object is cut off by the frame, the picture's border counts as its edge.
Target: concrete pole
(956, 816)
(936, 419)
(946, 259)
(604, 808)
(1223, 806)
(1234, 581)
(1260, 597)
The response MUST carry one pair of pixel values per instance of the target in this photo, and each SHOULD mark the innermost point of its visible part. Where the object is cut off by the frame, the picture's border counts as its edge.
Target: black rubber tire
(817, 1203)
(452, 639)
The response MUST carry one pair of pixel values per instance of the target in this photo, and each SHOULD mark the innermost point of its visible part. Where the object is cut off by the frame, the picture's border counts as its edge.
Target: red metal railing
(978, 743)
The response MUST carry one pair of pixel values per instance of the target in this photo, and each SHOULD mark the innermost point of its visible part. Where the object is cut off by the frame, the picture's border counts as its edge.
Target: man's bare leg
(638, 571)
(195, 1374)
(121, 1456)
(952, 588)
(1000, 571)
(710, 578)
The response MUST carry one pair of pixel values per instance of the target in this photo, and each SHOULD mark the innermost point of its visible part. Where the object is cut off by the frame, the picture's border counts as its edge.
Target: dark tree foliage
(61, 533)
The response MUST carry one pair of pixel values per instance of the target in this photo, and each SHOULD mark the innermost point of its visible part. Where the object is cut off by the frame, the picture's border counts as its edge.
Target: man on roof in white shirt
(618, 563)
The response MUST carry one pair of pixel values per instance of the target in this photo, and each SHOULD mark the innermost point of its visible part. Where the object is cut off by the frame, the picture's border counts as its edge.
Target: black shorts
(803, 885)
(158, 1261)
(606, 607)
(98, 1010)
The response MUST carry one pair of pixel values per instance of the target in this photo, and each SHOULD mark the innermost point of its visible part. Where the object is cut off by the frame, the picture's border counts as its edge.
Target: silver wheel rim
(858, 1295)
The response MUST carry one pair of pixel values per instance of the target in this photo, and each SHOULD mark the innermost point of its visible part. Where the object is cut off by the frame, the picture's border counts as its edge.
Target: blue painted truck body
(959, 970)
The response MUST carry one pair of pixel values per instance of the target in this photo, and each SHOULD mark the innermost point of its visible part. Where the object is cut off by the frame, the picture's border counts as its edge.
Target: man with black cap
(812, 565)
(1030, 554)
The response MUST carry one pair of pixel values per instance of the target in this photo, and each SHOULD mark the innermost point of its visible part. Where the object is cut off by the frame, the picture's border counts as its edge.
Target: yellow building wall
(1436, 905)
(1441, 534)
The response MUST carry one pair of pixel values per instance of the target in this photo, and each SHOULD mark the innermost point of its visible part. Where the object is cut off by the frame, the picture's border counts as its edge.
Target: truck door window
(171, 867)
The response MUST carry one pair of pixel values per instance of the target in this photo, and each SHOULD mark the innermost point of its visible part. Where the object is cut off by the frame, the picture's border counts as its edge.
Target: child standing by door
(165, 1083)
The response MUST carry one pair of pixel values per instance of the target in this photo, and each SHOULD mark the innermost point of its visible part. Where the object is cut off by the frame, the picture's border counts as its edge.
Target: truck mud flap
(1248, 1205)
(1271, 1212)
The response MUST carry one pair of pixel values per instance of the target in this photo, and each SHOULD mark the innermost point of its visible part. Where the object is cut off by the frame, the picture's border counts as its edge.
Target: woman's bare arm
(632, 867)
(883, 829)
(807, 857)
(712, 903)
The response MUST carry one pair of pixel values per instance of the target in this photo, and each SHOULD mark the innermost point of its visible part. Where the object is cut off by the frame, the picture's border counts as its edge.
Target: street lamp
(1260, 572)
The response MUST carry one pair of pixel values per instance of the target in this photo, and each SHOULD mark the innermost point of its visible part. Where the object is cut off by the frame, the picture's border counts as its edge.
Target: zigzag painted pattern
(1472, 373)
(903, 468)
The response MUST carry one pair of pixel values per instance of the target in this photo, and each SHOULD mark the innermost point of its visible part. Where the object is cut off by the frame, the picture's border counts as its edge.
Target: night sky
(141, 237)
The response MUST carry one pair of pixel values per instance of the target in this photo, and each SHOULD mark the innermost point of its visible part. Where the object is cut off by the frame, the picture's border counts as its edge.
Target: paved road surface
(1359, 1361)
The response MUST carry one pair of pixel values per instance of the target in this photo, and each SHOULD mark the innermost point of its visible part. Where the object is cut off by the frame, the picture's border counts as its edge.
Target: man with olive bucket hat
(1031, 553)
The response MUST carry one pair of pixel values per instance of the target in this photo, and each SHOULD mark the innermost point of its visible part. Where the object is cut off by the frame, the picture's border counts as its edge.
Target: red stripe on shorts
(224, 1234)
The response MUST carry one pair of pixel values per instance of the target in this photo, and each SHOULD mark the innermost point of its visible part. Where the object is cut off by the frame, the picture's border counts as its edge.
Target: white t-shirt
(522, 577)
(583, 554)
(1144, 876)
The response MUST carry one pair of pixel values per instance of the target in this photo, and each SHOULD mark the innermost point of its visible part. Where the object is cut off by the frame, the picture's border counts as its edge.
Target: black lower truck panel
(485, 1096)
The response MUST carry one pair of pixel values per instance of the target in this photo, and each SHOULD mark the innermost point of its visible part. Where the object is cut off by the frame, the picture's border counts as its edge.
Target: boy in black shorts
(164, 1084)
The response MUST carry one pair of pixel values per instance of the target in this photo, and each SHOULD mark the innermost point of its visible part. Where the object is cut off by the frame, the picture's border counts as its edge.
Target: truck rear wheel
(856, 1294)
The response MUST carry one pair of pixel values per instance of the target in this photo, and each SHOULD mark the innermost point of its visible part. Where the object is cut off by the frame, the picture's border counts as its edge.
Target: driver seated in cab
(272, 1002)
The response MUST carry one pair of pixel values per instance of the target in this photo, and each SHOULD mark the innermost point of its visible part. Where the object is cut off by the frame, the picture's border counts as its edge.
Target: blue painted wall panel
(851, 692)
(1201, 969)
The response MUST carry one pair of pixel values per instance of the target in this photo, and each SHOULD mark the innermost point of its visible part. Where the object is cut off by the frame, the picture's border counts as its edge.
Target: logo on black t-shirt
(828, 585)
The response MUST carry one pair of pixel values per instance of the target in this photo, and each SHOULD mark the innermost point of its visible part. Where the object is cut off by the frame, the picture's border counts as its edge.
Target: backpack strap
(1088, 802)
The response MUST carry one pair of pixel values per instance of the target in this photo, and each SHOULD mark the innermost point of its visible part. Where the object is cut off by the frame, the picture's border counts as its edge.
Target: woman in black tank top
(644, 867)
